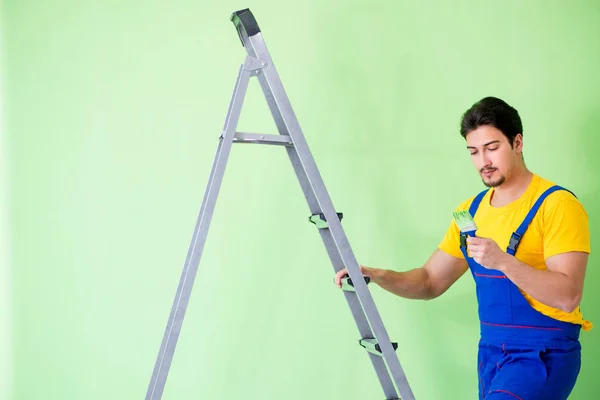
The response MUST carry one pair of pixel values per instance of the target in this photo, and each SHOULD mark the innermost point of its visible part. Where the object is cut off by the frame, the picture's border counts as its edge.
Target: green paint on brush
(465, 221)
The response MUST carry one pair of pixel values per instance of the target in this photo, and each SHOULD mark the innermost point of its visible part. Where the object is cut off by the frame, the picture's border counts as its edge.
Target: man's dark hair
(494, 112)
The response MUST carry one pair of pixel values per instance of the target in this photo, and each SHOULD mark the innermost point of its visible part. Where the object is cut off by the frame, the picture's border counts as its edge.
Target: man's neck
(512, 188)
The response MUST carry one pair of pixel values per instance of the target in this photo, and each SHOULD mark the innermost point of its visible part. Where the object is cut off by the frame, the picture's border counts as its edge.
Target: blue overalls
(523, 354)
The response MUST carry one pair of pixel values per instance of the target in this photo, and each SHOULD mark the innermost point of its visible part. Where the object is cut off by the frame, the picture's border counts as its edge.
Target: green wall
(113, 112)
(5, 292)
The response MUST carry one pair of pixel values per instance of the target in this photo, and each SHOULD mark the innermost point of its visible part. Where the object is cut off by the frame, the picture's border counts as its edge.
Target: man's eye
(493, 148)
(473, 153)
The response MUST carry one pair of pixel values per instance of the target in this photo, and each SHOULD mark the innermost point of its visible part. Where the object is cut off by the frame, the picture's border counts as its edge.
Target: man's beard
(495, 183)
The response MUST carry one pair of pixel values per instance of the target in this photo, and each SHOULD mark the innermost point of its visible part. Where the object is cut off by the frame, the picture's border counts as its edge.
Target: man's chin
(493, 183)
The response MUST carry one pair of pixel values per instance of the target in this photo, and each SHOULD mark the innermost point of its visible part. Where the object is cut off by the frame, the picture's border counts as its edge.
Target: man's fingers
(339, 276)
(343, 272)
(474, 247)
(476, 240)
(476, 255)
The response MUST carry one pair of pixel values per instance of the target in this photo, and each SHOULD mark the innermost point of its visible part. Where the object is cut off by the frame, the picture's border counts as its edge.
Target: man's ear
(518, 143)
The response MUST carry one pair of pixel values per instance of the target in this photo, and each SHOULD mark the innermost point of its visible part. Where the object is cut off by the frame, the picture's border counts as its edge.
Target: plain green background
(5, 293)
(112, 114)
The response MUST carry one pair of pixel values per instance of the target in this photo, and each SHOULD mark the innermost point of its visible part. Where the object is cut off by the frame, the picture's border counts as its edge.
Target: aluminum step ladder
(373, 335)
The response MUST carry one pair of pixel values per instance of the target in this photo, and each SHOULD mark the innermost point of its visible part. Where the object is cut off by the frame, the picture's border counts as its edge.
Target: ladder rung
(372, 346)
(320, 221)
(262, 138)
(348, 286)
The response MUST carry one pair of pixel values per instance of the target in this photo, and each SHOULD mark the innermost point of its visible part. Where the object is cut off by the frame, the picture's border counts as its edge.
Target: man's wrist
(508, 264)
(377, 275)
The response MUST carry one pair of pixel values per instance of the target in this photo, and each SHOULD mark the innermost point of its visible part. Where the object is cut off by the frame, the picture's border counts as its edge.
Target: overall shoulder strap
(476, 201)
(515, 238)
(472, 210)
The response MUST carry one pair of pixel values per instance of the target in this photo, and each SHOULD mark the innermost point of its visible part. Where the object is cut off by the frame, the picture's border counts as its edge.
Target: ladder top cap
(244, 19)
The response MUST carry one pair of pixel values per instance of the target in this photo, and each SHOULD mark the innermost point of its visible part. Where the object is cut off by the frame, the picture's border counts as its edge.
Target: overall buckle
(463, 240)
(514, 241)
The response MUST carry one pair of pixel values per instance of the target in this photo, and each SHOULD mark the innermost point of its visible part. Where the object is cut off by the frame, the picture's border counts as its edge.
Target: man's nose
(484, 160)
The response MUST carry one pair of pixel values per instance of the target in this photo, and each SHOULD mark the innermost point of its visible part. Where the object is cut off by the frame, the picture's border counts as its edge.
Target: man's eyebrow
(486, 144)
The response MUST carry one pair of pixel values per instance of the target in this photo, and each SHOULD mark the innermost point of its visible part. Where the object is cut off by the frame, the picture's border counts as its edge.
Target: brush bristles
(465, 221)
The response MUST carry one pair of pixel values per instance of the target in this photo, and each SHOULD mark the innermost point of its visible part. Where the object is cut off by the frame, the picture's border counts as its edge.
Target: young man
(528, 262)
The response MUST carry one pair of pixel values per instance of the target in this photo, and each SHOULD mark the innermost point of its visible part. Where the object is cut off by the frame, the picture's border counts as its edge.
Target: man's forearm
(551, 288)
(413, 284)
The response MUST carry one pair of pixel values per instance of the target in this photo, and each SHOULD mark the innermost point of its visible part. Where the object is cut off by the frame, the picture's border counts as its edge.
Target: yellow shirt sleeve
(566, 228)
(451, 241)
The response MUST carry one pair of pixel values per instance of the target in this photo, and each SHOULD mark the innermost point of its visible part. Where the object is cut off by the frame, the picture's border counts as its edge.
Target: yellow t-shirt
(560, 225)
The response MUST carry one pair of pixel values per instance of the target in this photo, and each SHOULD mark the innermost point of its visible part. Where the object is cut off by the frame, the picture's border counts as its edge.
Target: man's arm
(560, 286)
(431, 280)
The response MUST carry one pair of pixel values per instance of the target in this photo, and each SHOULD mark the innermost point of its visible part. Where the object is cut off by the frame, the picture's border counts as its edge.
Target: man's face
(492, 154)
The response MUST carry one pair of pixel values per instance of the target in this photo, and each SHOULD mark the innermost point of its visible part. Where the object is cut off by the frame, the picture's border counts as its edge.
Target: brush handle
(463, 238)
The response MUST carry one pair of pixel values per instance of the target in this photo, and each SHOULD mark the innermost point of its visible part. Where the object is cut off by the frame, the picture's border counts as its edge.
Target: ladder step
(263, 138)
(320, 221)
(373, 346)
(348, 286)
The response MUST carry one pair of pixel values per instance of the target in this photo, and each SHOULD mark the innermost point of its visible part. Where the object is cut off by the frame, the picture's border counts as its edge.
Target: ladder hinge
(254, 65)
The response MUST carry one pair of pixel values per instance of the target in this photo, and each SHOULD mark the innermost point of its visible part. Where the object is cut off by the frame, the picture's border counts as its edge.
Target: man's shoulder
(564, 222)
(563, 195)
